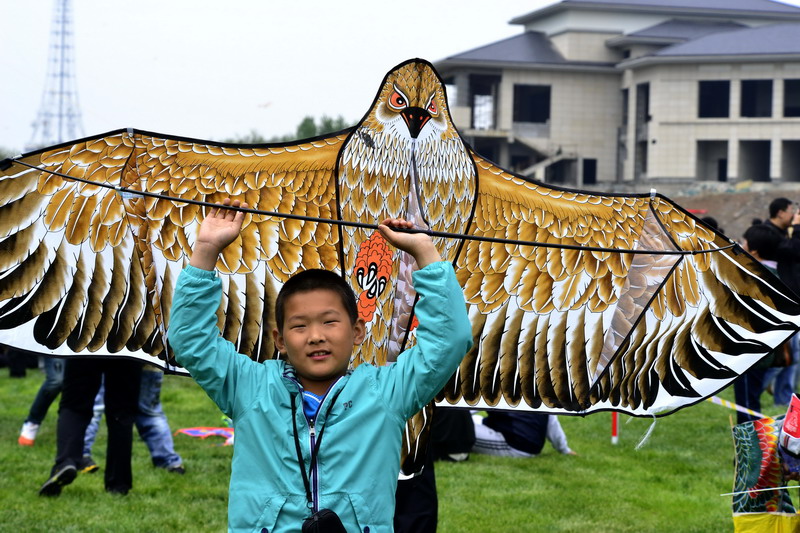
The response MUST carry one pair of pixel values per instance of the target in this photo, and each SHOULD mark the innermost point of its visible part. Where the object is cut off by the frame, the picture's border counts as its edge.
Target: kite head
(411, 103)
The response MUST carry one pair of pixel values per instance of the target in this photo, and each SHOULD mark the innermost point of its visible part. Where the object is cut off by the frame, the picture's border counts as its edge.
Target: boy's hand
(419, 245)
(218, 230)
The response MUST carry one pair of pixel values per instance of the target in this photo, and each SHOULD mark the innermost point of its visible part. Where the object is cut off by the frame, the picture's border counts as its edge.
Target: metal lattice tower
(59, 117)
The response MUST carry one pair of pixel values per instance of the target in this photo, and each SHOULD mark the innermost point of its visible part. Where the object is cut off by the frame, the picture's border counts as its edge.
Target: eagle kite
(579, 301)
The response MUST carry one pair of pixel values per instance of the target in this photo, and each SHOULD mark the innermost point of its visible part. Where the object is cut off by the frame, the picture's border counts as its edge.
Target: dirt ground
(735, 210)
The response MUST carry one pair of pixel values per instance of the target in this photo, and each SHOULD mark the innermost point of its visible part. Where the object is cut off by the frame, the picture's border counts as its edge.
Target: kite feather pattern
(628, 302)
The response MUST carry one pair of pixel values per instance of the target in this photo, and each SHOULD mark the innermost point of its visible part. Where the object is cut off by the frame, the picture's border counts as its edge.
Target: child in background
(282, 471)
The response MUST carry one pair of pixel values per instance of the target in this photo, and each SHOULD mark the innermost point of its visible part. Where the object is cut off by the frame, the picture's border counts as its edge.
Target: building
(627, 94)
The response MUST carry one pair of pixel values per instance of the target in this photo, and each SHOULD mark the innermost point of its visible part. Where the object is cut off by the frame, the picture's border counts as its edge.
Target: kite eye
(433, 109)
(397, 100)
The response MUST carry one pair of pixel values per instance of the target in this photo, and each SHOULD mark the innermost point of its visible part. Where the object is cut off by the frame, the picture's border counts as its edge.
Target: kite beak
(415, 118)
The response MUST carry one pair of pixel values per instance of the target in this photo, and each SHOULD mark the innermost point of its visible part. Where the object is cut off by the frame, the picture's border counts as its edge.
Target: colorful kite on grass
(758, 467)
(205, 432)
(579, 301)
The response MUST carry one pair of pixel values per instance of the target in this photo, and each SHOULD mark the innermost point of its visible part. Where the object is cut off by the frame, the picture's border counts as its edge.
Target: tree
(308, 127)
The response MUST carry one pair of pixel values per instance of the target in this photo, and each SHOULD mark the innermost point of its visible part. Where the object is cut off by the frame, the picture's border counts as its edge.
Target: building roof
(738, 8)
(772, 39)
(531, 49)
(676, 31)
(528, 47)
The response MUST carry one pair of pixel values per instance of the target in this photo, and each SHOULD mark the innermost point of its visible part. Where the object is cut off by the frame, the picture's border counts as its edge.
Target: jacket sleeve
(443, 338)
(197, 343)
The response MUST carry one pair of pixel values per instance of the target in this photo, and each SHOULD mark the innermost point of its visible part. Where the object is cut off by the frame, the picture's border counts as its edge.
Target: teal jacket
(359, 458)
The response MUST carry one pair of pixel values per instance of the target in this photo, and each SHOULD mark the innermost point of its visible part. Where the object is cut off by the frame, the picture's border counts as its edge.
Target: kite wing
(89, 269)
(607, 313)
(598, 308)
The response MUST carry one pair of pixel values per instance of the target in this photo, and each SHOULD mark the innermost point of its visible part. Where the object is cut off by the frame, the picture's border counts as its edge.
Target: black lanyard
(315, 450)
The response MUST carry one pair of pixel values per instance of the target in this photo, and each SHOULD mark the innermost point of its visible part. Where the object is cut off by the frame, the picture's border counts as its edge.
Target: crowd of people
(128, 391)
(775, 243)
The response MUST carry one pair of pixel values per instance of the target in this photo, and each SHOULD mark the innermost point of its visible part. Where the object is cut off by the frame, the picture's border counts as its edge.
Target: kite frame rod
(363, 225)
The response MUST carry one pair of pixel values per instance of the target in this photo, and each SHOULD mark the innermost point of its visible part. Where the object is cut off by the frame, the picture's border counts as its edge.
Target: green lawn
(672, 484)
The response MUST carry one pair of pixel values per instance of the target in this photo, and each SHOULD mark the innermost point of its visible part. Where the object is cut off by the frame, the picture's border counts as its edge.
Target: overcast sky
(211, 69)
(214, 69)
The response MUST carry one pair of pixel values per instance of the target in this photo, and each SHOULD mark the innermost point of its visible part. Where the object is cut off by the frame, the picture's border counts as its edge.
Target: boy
(274, 404)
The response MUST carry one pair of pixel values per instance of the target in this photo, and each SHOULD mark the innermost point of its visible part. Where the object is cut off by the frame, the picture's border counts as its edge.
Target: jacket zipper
(312, 433)
(314, 482)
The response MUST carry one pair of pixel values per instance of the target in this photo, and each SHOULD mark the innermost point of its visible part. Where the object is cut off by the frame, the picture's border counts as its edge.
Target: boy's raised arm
(419, 245)
(218, 230)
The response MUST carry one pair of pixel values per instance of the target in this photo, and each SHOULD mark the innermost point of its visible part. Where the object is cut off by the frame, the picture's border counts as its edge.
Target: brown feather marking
(12, 189)
(71, 309)
(77, 228)
(233, 312)
(544, 384)
(17, 247)
(509, 358)
(98, 285)
(58, 209)
(112, 302)
(468, 373)
(24, 277)
(489, 366)
(527, 363)
(251, 320)
(558, 361)
(577, 360)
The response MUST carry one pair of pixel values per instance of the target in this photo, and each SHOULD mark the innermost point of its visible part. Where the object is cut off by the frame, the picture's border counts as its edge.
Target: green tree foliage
(308, 127)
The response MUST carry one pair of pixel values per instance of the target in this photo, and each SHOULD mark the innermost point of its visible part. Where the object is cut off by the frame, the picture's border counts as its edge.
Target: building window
(642, 104)
(756, 98)
(590, 171)
(624, 108)
(714, 100)
(484, 91)
(791, 98)
(531, 103)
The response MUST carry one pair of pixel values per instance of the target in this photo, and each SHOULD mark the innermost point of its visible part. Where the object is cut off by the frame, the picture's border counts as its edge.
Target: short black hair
(711, 221)
(311, 280)
(777, 205)
(764, 240)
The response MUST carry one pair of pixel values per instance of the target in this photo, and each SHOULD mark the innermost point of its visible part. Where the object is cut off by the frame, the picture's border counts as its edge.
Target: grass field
(672, 484)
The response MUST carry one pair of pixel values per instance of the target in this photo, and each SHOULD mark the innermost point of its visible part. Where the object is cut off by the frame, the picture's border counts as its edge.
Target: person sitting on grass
(282, 471)
(518, 434)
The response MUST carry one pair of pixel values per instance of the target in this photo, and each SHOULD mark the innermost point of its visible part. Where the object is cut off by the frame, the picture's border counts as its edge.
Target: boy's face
(317, 337)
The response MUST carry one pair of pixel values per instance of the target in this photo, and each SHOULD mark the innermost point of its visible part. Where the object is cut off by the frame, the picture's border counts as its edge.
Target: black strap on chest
(315, 450)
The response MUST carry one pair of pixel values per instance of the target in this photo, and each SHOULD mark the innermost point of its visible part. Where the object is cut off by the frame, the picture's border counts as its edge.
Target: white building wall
(675, 127)
(585, 112)
(586, 46)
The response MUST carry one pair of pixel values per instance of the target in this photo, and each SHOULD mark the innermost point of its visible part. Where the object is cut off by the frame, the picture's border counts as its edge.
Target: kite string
(760, 490)
(498, 240)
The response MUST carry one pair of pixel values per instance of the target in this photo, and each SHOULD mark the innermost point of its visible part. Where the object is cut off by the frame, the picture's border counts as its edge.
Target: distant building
(623, 94)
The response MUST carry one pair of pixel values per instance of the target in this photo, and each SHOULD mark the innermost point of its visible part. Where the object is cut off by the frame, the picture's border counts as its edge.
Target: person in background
(784, 221)
(82, 379)
(762, 243)
(151, 424)
(48, 392)
(518, 434)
